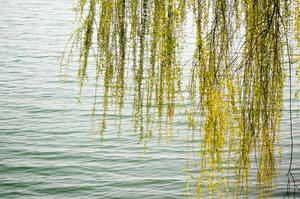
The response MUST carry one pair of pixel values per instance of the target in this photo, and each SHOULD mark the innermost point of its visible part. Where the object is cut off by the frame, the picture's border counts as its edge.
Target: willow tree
(243, 53)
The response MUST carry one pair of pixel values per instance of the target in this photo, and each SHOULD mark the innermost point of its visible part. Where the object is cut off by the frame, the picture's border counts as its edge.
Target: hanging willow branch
(235, 90)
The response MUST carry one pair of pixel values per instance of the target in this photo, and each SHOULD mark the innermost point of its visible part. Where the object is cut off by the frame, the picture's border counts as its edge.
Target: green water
(46, 146)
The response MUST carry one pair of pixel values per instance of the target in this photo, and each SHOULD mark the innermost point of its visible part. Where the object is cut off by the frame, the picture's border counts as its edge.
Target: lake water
(47, 149)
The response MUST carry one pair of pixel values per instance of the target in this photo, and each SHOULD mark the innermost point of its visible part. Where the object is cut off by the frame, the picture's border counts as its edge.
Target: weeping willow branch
(235, 87)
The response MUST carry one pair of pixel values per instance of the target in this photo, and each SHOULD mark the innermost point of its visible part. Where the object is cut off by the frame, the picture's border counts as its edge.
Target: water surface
(46, 146)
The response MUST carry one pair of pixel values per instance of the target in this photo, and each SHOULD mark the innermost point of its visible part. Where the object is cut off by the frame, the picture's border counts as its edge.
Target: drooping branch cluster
(136, 37)
(235, 88)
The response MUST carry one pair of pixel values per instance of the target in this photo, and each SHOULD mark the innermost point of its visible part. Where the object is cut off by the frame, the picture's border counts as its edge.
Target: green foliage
(236, 82)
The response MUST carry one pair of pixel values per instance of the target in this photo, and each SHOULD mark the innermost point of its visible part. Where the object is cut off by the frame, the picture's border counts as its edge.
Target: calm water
(46, 146)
